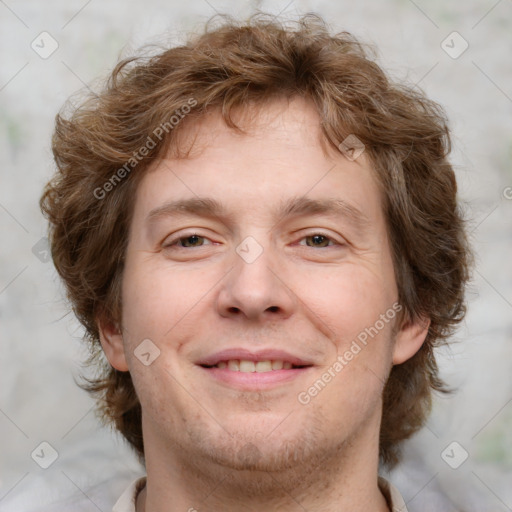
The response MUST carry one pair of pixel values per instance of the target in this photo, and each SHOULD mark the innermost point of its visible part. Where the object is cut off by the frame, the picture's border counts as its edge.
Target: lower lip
(255, 380)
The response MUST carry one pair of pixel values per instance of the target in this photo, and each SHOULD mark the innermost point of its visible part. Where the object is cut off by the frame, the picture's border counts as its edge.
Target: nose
(256, 290)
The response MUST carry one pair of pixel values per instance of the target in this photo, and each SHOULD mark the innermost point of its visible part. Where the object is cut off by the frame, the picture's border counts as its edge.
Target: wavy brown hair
(226, 67)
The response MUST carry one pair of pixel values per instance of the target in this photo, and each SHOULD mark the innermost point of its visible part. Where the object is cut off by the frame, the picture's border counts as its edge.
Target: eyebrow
(293, 207)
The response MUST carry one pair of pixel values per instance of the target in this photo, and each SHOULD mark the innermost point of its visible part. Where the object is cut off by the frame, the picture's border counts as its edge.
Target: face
(254, 313)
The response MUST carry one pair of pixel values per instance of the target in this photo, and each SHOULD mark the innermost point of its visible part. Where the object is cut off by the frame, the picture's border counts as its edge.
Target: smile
(246, 366)
(254, 375)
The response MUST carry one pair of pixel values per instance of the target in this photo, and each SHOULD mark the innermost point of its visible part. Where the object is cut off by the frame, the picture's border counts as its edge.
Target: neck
(346, 479)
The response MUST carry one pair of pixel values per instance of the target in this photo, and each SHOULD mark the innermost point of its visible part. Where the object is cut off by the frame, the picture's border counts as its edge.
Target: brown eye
(188, 241)
(318, 240)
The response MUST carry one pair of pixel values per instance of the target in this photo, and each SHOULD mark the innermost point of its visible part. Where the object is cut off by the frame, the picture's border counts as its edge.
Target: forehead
(289, 120)
(282, 155)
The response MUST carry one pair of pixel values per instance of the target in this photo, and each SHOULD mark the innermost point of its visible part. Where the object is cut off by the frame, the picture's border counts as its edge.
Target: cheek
(358, 309)
(348, 299)
(158, 299)
(351, 302)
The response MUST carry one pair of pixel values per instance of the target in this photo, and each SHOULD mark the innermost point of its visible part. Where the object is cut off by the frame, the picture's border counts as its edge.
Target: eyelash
(172, 243)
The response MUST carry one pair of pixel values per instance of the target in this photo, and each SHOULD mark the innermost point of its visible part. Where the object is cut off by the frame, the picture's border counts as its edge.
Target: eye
(319, 240)
(187, 241)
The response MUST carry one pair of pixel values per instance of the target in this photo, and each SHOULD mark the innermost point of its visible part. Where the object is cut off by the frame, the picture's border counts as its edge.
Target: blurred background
(457, 52)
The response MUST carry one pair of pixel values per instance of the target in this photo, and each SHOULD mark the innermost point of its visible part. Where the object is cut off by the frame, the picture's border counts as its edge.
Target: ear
(410, 338)
(111, 340)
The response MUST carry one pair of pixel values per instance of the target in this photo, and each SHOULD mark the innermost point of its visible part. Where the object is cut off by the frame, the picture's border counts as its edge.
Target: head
(271, 122)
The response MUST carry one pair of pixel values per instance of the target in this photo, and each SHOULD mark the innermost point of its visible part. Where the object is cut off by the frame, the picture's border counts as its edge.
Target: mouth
(248, 366)
(243, 369)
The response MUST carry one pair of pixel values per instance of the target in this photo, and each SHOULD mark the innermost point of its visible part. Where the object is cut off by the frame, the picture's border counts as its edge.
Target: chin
(246, 452)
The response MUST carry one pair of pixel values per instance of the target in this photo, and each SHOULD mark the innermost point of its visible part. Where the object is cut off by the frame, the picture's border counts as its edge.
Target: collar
(395, 501)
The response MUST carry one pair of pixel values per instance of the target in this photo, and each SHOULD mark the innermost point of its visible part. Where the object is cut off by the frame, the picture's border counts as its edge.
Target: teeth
(234, 364)
(247, 366)
(251, 366)
(264, 366)
(277, 365)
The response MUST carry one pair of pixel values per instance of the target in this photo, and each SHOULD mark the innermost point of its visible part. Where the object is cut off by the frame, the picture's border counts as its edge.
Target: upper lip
(269, 354)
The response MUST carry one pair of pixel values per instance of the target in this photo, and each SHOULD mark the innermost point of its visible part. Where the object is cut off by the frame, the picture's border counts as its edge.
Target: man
(261, 233)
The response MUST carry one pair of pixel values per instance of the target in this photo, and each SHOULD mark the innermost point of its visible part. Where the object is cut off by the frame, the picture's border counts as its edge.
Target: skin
(210, 446)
